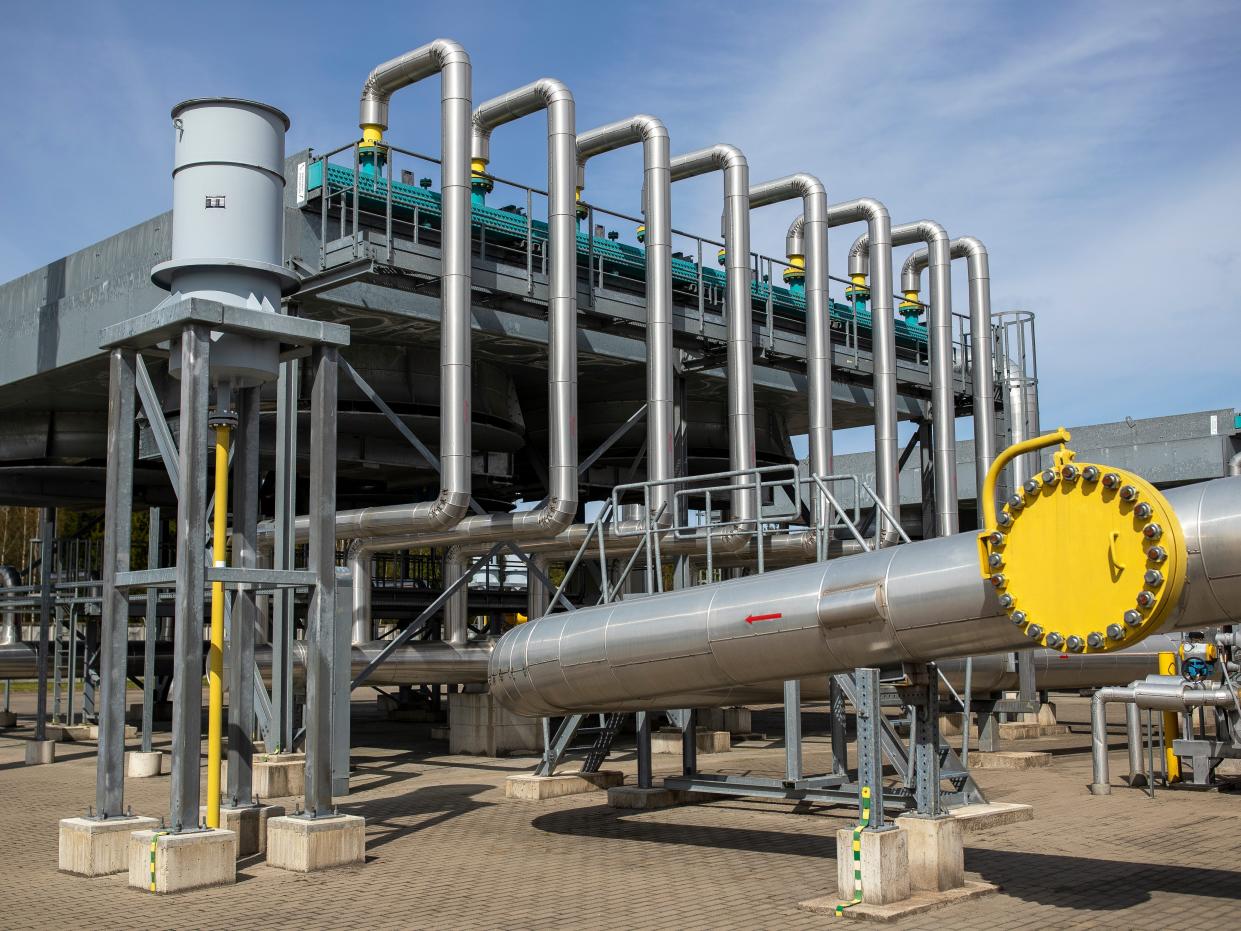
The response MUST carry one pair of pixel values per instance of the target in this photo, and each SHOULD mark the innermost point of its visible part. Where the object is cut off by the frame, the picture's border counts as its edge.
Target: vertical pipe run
(215, 655)
(47, 528)
(155, 534)
(1133, 735)
(241, 687)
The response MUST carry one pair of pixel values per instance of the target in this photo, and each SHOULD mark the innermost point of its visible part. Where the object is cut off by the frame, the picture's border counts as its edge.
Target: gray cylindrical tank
(228, 224)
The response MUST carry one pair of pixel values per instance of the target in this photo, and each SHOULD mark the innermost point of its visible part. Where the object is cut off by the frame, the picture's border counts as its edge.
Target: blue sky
(1095, 147)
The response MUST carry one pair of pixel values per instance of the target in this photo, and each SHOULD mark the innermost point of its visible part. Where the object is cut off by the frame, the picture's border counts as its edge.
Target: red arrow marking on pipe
(763, 617)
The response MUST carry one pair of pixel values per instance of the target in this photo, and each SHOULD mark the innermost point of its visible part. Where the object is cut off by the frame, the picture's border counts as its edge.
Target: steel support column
(114, 635)
(869, 747)
(246, 444)
(643, 727)
(792, 730)
(284, 630)
(187, 700)
(321, 617)
(836, 709)
(926, 743)
(47, 530)
(155, 536)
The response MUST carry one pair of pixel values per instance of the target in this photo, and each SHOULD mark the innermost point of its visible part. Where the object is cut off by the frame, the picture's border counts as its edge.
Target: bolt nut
(1143, 511)
(1145, 599)
(1032, 486)
(1006, 600)
(998, 581)
(1054, 640)
(1091, 473)
(1069, 473)
(1115, 631)
(1152, 531)
(1050, 477)
(1094, 640)
(1018, 618)
(1004, 519)
(1157, 554)
(1016, 502)
(1034, 631)
(1133, 618)
(996, 538)
(1076, 644)
(1111, 480)
(1128, 493)
(995, 561)
(1153, 578)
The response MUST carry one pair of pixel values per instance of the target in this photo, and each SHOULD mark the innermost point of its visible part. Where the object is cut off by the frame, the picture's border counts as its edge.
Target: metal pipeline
(10, 631)
(883, 338)
(657, 216)
(943, 408)
(914, 603)
(740, 348)
(1160, 693)
(452, 63)
(983, 366)
(818, 322)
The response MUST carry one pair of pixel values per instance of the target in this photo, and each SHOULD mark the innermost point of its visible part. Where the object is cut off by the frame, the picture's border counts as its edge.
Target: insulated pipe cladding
(883, 338)
(943, 408)
(982, 371)
(657, 217)
(914, 603)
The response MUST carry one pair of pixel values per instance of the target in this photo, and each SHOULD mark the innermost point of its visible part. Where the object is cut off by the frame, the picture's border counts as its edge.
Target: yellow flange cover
(1086, 558)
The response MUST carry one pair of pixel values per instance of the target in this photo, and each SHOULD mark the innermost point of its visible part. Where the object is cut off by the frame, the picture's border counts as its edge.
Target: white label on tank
(301, 183)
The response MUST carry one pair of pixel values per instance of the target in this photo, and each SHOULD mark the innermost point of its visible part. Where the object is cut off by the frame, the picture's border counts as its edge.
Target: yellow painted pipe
(1171, 723)
(215, 654)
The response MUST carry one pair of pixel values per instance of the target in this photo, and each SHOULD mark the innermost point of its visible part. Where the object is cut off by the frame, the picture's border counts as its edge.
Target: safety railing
(835, 516)
(393, 204)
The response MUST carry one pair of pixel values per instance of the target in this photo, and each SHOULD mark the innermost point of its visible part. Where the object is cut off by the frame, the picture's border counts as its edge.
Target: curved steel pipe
(883, 339)
(818, 306)
(657, 214)
(740, 348)
(943, 408)
(914, 603)
(982, 371)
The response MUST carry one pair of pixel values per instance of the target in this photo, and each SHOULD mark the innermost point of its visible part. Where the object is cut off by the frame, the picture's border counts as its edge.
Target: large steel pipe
(913, 603)
(943, 407)
(982, 369)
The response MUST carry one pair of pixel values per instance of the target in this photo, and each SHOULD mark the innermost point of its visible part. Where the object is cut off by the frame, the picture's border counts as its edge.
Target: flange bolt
(1016, 502)
(996, 538)
(1115, 631)
(1132, 618)
(1032, 486)
(1143, 511)
(1091, 473)
(1069, 473)
(1019, 618)
(1153, 578)
(1111, 480)
(1145, 599)
(995, 561)
(1157, 554)
(1004, 519)
(1076, 644)
(998, 581)
(1128, 493)
(1006, 600)
(1054, 640)
(1152, 531)
(1094, 640)
(1050, 477)
(1034, 631)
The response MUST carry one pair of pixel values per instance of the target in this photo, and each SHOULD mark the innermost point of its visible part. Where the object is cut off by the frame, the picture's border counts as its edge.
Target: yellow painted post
(215, 654)
(1171, 723)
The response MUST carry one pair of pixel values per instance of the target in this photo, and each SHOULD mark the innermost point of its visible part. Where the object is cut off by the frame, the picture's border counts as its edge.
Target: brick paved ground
(446, 850)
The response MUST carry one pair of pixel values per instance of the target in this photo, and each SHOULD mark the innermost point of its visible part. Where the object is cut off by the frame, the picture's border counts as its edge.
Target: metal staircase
(572, 728)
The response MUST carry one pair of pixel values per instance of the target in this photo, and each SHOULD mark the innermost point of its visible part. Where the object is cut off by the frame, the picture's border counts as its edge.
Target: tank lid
(201, 101)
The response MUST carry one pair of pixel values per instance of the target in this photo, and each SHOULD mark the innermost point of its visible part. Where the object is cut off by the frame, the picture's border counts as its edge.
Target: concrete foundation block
(477, 724)
(279, 776)
(1009, 759)
(916, 903)
(733, 720)
(8, 719)
(92, 732)
(1019, 730)
(143, 764)
(981, 817)
(635, 797)
(94, 847)
(668, 740)
(936, 852)
(249, 823)
(885, 866)
(179, 862)
(40, 751)
(950, 725)
(305, 845)
(1046, 715)
(538, 788)
(71, 733)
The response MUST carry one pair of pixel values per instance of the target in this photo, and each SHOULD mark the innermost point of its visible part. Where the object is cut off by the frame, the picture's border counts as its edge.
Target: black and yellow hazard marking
(857, 854)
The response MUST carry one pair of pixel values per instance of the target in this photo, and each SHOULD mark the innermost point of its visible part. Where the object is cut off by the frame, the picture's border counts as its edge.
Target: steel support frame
(47, 531)
(114, 623)
(282, 603)
(926, 742)
(321, 616)
(246, 446)
(155, 538)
